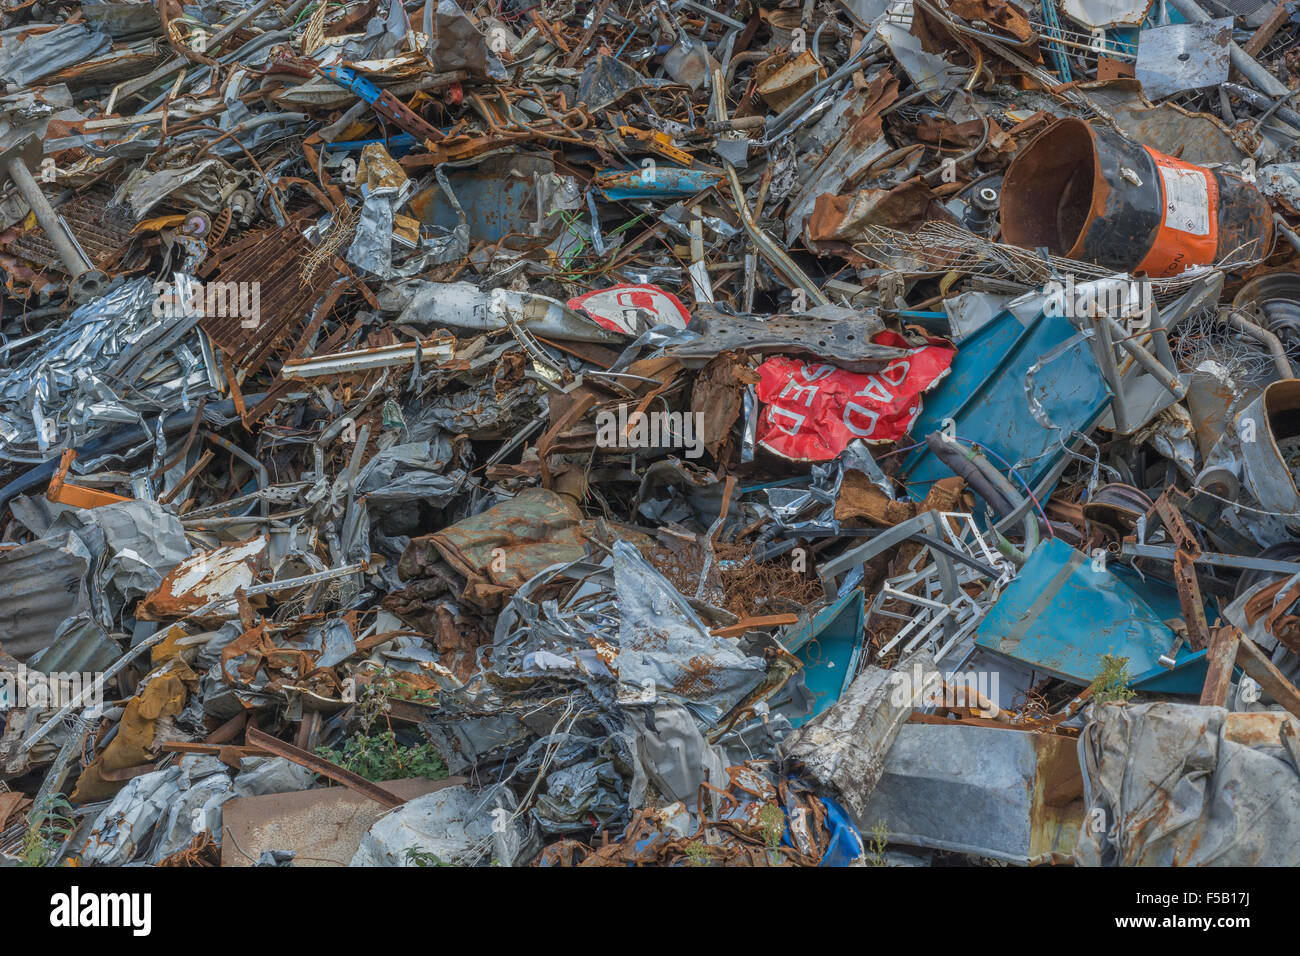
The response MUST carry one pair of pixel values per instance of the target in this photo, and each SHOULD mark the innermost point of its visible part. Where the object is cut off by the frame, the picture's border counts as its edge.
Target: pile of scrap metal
(732, 432)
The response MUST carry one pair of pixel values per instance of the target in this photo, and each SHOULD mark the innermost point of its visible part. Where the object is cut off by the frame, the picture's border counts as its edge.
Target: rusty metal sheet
(101, 236)
(321, 827)
(205, 576)
(504, 546)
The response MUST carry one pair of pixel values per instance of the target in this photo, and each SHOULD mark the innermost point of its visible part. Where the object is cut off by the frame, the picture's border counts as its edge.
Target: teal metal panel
(829, 647)
(1062, 614)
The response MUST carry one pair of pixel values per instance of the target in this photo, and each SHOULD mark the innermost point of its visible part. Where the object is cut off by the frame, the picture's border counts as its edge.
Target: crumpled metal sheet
(1199, 138)
(675, 754)
(664, 648)
(193, 582)
(1183, 785)
(25, 59)
(1094, 14)
(80, 646)
(122, 18)
(372, 246)
(1281, 180)
(456, 44)
(843, 749)
(159, 813)
(459, 826)
(842, 146)
(143, 542)
(124, 826)
(409, 472)
(44, 583)
(206, 185)
(64, 389)
(576, 793)
(606, 80)
(462, 305)
(502, 547)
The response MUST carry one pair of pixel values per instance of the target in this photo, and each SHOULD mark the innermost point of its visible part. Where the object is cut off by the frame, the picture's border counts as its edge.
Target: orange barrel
(1088, 193)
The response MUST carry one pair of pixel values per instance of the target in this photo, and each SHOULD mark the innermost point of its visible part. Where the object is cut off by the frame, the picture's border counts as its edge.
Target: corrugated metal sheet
(41, 584)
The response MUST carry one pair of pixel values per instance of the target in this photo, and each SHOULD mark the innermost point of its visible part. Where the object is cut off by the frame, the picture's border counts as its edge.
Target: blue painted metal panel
(399, 144)
(1188, 675)
(984, 394)
(667, 181)
(1061, 615)
(829, 649)
(498, 196)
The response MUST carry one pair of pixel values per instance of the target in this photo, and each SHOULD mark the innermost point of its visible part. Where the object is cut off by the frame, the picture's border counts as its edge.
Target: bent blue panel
(1062, 615)
(984, 394)
(657, 182)
(829, 649)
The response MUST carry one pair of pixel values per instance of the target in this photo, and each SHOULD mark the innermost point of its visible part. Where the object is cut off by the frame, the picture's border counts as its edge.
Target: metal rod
(86, 281)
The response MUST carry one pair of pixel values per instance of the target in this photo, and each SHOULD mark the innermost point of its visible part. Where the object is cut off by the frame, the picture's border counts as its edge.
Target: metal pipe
(748, 56)
(1287, 232)
(773, 253)
(956, 457)
(263, 479)
(711, 14)
(991, 485)
(87, 281)
(1030, 520)
(781, 262)
(1149, 362)
(1105, 352)
(1260, 101)
(235, 24)
(1239, 322)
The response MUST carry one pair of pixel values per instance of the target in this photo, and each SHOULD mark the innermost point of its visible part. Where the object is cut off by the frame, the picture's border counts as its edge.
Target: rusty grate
(274, 258)
(100, 237)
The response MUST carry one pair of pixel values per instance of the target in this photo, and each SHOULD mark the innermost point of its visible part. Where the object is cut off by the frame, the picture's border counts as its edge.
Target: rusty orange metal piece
(76, 495)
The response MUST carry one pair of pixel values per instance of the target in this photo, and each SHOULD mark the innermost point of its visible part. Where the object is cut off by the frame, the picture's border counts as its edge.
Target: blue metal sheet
(398, 145)
(846, 842)
(666, 182)
(1188, 674)
(1062, 615)
(984, 394)
(829, 649)
(498, 196)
